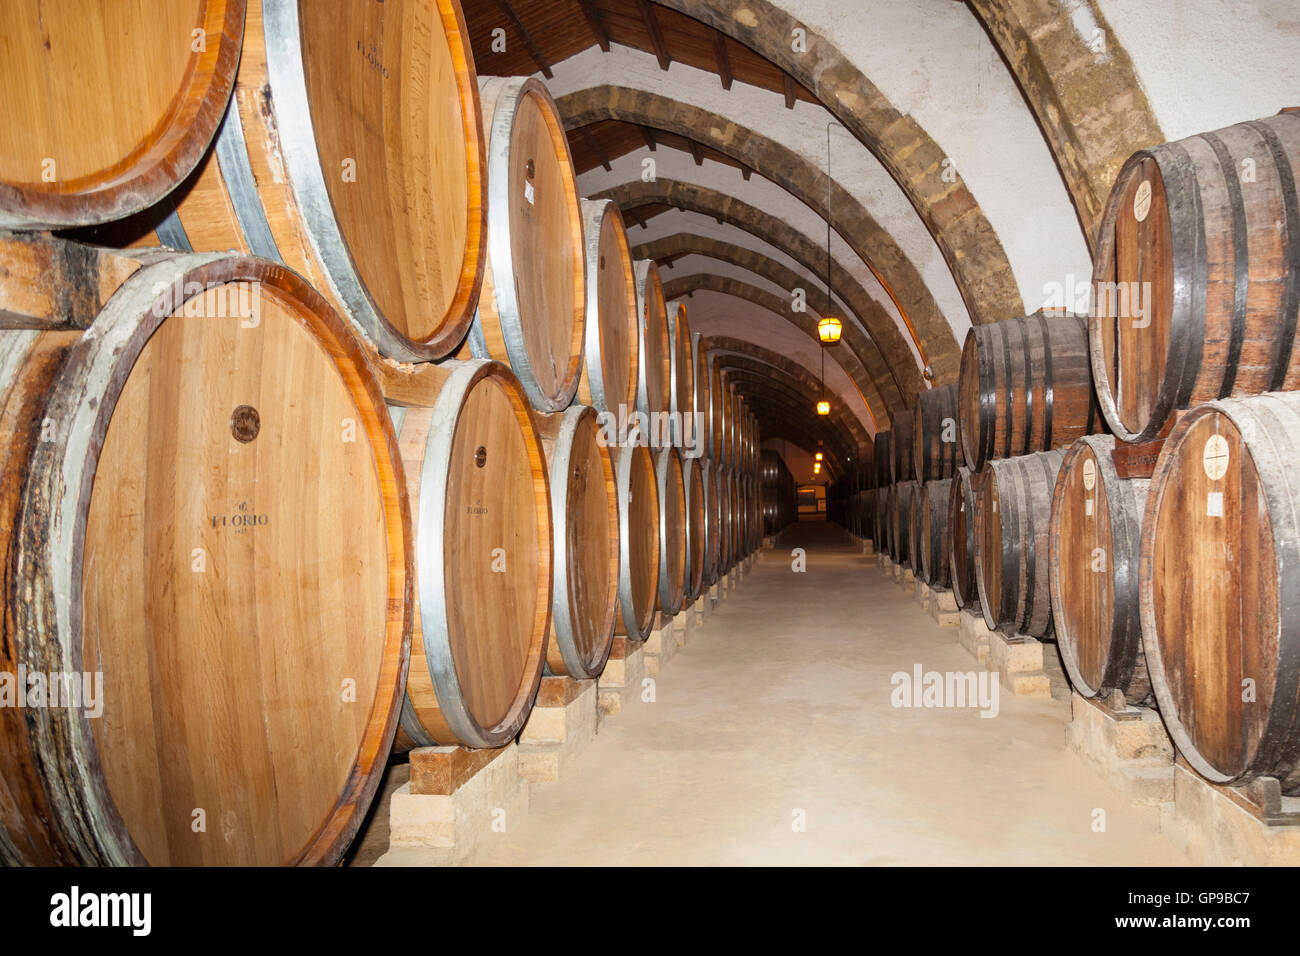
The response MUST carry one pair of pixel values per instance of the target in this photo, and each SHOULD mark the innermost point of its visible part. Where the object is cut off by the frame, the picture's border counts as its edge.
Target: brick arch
(1092, 109)
(897, 363)
(963, 233)
(900, 279)
(677, 288)
(682, 244)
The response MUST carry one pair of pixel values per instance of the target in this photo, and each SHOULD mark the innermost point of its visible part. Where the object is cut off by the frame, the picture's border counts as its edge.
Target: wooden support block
(1231, 826)
(620, 682)
(1128, 745)
(562, 723)
(483, 794)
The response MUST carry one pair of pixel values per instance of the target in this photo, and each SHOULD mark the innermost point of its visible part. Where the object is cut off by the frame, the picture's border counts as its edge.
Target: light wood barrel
(1095, 544)
(697, 521)
(737, 517)
(703, 396)
(932, 533)
(900, 547)
(638, 525)
(108, 106)
(532, 313)
(935, 435)
(900, 447)
(477, 480)
(584, 521)
(681, 375)
(726, 553)
(1218, 588)
(673, 557)
(387, 219)
(609, 375)
(1196, 280)
(963, 499)
(654, 355)
(713, 517)
(717, 407)
(213, 528)
(1025, 385)
(1012, 528)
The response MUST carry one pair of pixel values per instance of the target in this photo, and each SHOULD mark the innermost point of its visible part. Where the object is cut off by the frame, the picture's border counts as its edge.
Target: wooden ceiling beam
(724, 61)
(648, 135)
(790, 90)
(596, 151)
(593, 21)
(696, 152)
(656, 35)
(532, 48)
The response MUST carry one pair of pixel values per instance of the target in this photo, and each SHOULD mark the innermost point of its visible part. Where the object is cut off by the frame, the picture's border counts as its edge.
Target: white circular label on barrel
(1089, 474)
(1215, 457)
(1142, 200)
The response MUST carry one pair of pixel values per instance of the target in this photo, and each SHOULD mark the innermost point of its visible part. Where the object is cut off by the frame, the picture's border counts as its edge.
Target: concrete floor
(780, 709)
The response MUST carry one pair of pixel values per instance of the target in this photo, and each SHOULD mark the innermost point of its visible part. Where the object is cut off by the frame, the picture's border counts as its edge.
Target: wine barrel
(726, 554)
(673, 557)
(737, 519)
(681, 375)
(654, 348)
(387, 219)
(935, 435)
(900, 447)
(703, 397)
(1095, 544)
(609, 377)
(584, 522)
(160, 531)
(932, 533)
(963, 497)
(1025, 385)
(1218, 588)
(880, 518)
(1196, 281)
(697, 531)
(713, 517)
(477, 480)
(638, 525)
(717, 410)
(900, 546)
(534, 317)
(915, 508)
(1012, 527)
(96, 131)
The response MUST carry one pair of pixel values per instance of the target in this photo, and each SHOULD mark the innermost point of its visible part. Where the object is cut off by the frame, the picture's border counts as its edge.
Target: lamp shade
(829, 329)
(823, 407)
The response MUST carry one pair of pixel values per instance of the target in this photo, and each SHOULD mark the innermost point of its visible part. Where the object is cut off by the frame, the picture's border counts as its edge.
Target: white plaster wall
(934, 61)
(1206, 64)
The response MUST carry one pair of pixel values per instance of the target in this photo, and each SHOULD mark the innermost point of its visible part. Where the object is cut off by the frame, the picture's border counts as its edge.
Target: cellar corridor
(781, 703)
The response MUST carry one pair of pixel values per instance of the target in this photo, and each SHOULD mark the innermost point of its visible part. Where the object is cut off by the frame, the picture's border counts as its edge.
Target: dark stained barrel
(900, 448)
(935, 434)
(1025, 385)
(962, 500)
(1196, 280)
(932, 532)
(900, 524)
(1095, 542)
(1219, 585)
(1012, 528)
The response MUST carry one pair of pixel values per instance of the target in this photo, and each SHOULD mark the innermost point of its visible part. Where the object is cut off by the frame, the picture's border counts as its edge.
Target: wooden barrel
(900, 447)
(670, 484)
(935, 452)
(697, 521)
(1025, 385)
(681, 375)
(1012, 527)
(1218, 588)
(213, 531)
(1095, 544)
(932, 533)
(880, 517)
(477, 479)
(713, 518)
(703, 397)
(717, 409)
(638, 524)
(737, 518)
(584, 522)
(654, 355)
(1196, 280)
(726, 516)
(609, 377)
(534, 317)
(915, 508)
(900, 547)
(97, 130)
(387, 219)
(963, 497)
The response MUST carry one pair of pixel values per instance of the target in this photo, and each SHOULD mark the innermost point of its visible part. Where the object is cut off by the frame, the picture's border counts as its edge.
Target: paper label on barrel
(1142, 200)
(1214, 504)
(1087, 507)
(1089, 474)
(528, 192)
(1214, 458)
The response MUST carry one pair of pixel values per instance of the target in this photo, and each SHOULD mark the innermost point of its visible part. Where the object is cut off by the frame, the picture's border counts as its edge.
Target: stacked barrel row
(779, 493)
(379, 417)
